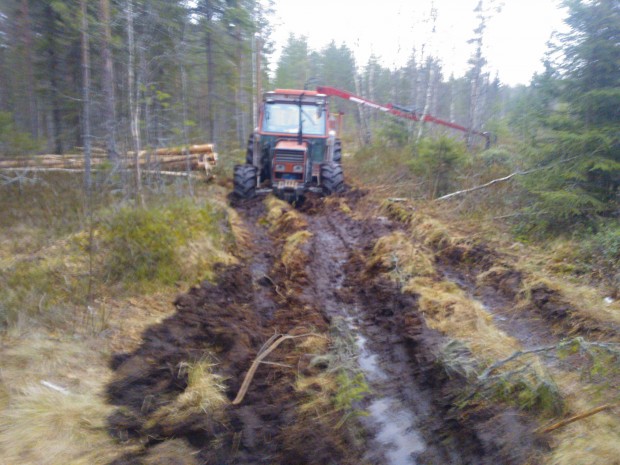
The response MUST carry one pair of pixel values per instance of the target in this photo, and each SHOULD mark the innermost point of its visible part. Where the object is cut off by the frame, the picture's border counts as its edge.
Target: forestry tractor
(295, 148)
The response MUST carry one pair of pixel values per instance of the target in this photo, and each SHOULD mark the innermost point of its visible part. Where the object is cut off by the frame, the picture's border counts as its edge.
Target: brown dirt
(233, 317)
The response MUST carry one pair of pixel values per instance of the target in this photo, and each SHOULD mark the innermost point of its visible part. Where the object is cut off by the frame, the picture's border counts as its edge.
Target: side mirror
(319, 111)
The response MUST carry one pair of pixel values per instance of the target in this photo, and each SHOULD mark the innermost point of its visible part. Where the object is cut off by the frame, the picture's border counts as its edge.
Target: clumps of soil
(482, 433)
(220, 326)
(152, 378)
(486, 268)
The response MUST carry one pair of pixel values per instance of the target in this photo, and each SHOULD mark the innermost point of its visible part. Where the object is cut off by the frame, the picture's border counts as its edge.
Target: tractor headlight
(280, 168)
(298, 168)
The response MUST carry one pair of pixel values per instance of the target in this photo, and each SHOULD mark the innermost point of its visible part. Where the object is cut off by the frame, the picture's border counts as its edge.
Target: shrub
(438, 162)
(146, 244)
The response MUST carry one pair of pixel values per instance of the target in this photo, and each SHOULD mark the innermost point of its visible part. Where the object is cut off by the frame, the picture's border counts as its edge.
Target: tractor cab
(294, 149)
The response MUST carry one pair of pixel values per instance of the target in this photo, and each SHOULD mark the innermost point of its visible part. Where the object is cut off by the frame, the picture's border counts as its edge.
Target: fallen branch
(578, 417)
(520, 353)
(610, 347)
(498, 180)
(55, 387)
(275, 341)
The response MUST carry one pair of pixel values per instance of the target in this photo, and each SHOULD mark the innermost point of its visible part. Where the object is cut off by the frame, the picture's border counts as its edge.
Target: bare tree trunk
(430, 73)
(239, 117)
(134, 107)
(259, 90)
(477, 62)
(210, 73)
(56, 122)
(86, 97)
(108, 81)
(364, 127)
(26, 31)
(427, 100)
(182, 54)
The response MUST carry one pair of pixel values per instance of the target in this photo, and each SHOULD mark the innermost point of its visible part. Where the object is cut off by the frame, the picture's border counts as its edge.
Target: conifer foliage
(579, 139)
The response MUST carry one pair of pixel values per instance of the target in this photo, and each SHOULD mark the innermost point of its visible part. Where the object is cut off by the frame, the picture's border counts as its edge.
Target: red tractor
(295, 148)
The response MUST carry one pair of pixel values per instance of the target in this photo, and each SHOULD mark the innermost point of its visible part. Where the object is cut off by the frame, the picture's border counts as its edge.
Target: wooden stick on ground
(578, 417)
(277, 340)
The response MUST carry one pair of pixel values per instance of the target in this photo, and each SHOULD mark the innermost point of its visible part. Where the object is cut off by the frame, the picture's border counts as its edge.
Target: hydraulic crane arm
(399, 111)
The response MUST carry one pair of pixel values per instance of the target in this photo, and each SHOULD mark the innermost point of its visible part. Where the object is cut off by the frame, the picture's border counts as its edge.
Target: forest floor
(387, 336)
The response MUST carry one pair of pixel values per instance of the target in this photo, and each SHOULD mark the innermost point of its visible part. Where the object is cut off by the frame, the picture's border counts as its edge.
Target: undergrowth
(150, 246)
(335, 393)
(56, 261)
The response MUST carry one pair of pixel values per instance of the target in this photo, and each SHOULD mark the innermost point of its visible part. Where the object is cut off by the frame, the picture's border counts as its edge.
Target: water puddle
(394, 424)
(396, 431)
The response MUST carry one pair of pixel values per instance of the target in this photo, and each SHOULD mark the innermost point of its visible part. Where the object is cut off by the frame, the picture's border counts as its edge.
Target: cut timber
(195, 157)
(192, 150)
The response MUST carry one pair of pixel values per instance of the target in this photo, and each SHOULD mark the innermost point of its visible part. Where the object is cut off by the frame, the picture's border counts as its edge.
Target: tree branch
(498, 180)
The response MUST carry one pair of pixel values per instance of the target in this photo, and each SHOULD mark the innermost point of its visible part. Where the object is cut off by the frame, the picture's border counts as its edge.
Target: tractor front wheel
(245, 181)
(332, 178)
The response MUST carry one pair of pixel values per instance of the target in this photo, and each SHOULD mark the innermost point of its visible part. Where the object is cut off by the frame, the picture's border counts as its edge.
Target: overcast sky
(515, 39)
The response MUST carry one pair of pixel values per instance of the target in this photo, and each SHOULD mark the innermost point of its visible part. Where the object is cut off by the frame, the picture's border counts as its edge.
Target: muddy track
(325, 288)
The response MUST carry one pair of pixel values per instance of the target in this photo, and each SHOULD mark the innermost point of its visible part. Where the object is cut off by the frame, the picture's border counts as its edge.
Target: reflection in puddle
(395, 425)
(368, 361)
(396, 431)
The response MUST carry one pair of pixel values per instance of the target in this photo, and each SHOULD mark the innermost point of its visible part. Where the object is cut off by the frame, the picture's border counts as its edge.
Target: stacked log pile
(174, 159)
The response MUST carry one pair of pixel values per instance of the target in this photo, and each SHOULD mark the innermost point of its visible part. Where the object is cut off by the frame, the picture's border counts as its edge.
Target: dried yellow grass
(242, 236)
(171, 452)
(200, 255)
(42, 426)
(294, 256)
(319, 392)
(591, 441)
(585, 301)
(282, 217)
(313, 345)
(205, 393)
(432, 233)
(401, 257)
(449, 310)
(338, 203)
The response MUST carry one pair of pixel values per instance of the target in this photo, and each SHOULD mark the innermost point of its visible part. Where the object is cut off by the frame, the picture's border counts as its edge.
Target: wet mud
(410, 408)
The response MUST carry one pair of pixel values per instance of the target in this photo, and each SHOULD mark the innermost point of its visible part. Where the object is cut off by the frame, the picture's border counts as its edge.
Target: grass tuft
(45, 427)
(449, 310)
(204, 394)
(397, 255)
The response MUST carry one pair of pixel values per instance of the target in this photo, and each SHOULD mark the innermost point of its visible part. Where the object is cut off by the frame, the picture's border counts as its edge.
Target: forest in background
(158, 73)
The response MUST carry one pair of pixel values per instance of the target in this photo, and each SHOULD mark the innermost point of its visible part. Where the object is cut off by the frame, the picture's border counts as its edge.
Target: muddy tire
(338, 151)
(332, 178)
(249, 159)
(245, 181)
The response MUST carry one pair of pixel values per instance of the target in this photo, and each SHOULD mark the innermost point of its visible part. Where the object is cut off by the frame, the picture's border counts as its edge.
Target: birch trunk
(134, 108)
(86, 97)
(108, 81)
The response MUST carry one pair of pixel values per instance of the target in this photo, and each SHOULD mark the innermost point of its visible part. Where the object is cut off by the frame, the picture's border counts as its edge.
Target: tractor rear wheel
(338, 151)
(332, 178)
(249, 153)
(245, 181)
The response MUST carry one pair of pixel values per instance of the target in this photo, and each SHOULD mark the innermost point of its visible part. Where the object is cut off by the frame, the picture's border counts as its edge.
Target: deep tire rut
(411, 416)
